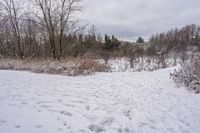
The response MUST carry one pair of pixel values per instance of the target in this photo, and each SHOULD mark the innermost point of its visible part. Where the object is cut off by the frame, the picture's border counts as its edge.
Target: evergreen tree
(111, 44)
(140, 40)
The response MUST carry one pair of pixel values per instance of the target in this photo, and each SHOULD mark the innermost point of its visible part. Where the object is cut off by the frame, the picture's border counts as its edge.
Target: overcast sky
(128, 19)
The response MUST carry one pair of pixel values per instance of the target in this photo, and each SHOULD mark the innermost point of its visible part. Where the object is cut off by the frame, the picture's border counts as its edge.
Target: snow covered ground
(139, 64)
(146, 102)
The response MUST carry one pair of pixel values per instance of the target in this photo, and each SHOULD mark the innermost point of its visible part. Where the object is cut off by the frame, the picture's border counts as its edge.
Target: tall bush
(188, 74)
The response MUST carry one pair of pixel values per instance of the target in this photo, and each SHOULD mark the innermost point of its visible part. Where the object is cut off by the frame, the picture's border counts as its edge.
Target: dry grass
(71, 67)
(93, 65)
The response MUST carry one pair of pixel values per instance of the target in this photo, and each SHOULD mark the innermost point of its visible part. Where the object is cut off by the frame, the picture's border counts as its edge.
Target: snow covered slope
(146, 102)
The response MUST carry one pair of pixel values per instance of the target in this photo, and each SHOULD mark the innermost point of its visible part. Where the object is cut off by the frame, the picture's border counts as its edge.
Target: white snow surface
(137, 102)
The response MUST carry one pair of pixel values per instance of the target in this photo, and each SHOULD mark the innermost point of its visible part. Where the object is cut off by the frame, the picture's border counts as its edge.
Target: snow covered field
(146, 102)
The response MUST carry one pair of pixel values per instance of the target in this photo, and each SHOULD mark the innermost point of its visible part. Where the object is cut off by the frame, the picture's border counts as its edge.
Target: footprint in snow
(108, 121)
(82, 131)
(127, 113)
(96, 128)
(17, 126)
(66, 125)
(87, 107)
(66, 113)
(151, 121)
(170, 130)
(38, 126)
(59, 129)
(2, 121)
(119, 130)
(24, 103)
(153, 127)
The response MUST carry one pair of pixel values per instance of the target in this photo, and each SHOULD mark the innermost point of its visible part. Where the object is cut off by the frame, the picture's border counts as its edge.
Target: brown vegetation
(71, 67)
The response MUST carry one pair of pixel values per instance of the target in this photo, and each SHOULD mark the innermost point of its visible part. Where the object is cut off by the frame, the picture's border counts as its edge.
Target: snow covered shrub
(188, 74)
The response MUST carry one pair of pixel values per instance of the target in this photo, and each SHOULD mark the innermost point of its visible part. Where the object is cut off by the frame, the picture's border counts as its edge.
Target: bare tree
(57, 18)
(11, 9)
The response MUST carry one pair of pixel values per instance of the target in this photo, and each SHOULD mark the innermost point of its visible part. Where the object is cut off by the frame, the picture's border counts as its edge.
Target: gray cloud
(129, 19)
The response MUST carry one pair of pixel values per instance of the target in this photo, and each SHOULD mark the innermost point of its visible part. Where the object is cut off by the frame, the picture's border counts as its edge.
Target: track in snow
(105, 102)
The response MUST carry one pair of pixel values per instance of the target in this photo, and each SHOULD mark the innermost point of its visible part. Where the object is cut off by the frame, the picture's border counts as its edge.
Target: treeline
(177, 40)
(50, 29)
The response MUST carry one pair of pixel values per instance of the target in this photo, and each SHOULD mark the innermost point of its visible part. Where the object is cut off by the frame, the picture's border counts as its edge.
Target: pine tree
(140, 40)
